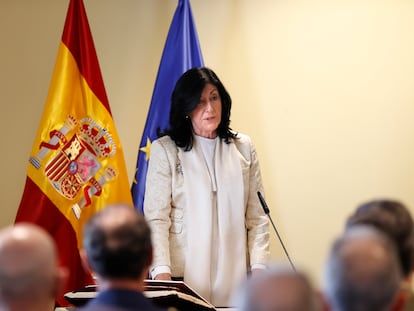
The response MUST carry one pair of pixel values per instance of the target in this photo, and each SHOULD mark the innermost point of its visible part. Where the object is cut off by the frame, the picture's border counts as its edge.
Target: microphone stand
(267, 212)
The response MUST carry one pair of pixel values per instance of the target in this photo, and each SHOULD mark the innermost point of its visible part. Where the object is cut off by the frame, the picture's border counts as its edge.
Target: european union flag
(181, 52)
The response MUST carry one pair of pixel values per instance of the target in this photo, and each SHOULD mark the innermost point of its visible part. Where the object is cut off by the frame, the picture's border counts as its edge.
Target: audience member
(393, 218)
(362, 271)
(278, 289)
(30, 277)
(118, 249)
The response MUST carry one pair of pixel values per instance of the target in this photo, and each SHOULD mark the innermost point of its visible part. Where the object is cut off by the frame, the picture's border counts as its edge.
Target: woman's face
(206, 116)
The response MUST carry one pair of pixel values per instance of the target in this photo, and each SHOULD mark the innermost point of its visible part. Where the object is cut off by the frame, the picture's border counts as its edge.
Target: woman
(201, 193)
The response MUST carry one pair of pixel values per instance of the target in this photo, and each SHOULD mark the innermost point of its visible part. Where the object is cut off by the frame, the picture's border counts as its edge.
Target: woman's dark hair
(186, 96)
(393, 218)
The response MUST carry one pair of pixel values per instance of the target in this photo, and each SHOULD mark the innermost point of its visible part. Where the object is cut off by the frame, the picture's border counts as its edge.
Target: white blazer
(173, 191)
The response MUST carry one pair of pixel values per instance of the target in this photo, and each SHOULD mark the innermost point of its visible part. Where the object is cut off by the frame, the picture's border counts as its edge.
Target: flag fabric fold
(76, 165)
(181, 52)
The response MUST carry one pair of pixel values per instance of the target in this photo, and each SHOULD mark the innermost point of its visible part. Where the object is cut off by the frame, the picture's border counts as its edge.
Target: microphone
(267, 212)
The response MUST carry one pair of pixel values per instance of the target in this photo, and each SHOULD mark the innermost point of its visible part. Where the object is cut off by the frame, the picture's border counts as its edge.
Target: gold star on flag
(135, 175)
(147, 149)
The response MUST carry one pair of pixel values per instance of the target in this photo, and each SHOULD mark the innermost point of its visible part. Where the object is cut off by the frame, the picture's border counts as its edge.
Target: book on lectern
(163, 293)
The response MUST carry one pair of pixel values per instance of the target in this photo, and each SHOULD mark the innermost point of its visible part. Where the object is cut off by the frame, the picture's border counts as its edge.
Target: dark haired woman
(201, 194)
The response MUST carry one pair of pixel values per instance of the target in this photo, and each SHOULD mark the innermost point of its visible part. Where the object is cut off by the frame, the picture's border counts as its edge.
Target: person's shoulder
(162, 145)
(242, 139)
(99, 307)
(164, 141)
(146, 305)
(244, 145)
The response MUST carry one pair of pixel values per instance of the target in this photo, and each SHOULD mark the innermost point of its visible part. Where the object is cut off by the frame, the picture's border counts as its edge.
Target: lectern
(165, 294)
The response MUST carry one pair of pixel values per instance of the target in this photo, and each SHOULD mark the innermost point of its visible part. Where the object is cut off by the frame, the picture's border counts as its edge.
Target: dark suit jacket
(120, 300)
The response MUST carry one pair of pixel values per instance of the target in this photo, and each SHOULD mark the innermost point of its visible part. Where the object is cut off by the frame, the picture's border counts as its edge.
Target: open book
(163, 293)
(175, 294)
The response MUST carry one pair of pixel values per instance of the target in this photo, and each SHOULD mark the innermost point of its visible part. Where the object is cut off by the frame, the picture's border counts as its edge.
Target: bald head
(27, 259)
(117, 241)
(280, 289)
(394, 219)
(363, 271)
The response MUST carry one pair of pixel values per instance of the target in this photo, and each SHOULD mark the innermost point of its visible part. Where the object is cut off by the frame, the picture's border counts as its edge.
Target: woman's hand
(163, 276)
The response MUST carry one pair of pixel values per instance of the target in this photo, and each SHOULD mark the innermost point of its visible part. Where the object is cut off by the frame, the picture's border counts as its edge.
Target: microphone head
(263, 203)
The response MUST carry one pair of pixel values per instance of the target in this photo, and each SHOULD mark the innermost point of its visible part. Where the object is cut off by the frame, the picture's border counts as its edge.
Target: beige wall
(325, 89)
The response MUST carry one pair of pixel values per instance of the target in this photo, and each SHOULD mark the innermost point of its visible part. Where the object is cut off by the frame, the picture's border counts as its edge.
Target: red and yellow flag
(76, 165)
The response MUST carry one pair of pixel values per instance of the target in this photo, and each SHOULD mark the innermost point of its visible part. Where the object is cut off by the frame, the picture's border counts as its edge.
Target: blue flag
(181, 52)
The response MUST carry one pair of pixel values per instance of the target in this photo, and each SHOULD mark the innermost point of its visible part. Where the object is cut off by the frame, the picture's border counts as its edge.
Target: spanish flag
(76, 166)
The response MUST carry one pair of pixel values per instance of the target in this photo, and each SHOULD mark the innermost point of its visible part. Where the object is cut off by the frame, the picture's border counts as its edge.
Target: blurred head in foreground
(30, 278)
(362, 271)
(278, 289)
